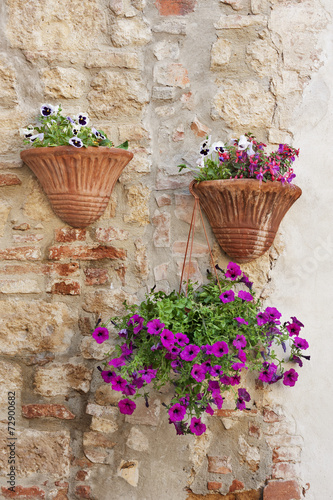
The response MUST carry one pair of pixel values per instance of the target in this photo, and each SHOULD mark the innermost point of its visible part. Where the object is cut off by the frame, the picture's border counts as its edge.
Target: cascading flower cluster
(200, 344)
(244, 158)
(53, 129)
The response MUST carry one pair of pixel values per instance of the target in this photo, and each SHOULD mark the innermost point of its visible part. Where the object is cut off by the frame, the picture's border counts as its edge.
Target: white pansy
(218, 147)
(243, 143)
(48, 109)
(33, 138)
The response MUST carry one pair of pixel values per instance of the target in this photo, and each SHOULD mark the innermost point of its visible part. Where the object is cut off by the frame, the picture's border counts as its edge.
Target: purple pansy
(100, 334)
(245, 296)
(290, 377)
(233, 271)
(190, 352)
(220, 348)
(154, 327)
(197, 427)
(227, 296)
(126, 406)
(177, 412)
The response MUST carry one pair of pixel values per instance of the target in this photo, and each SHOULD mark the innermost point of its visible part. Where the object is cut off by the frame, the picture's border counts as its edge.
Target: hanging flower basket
(245, 214)
(77, 181)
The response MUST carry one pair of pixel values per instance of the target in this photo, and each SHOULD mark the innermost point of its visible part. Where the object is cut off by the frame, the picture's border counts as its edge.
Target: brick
(178, 134)
(219, 465)
(163, 200)
(271, 416)
(81, 475)
(83, 491)
(67, 287)
(287, 454)
(96, 276)
(283, 440)
(199, 129)
(27, 238)
(235, 413)
(284, 470)
(161, 236)
(161, 271)
(98, 448)
(25, 493)
(236, 486)
(171, 74)
(85, 253)
(107, 234)
(213, 485)
(9, 180)
(68, 234)
(47, 410)
(282, 490)
(20, 253)
(254, 430)
(175, 7)
(43, 269)
(61, 495)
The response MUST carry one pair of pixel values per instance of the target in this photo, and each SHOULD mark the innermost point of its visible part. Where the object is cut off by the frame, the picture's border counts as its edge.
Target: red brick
(62, 484)
(161, 236)
(219, 465)
(96, 276)
(236, 486)
(83, 491)
(69, 234)
(175, 7)
(81, 475)
(47, 410)
(61, 495)
(20, 253)
(199, 129)
(86, 253)
(254, 430)
(282, 490)
(163, 200)
(66, 288)
(24, 493)
(121, 272)
(270, 416)
(284, 470)
(234, 413)
(214, 485)
(9, 180)
(287, 454)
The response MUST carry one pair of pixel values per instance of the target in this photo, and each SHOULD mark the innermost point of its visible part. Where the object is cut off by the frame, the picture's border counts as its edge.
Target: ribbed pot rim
(239, 183)
(72, 151)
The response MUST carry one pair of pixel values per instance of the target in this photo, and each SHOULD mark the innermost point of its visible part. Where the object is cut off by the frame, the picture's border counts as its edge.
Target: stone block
(129, 470)
(62, 83)
(141, 258)
(64, 287)
(237, 21)
(91, 350)
(138, 199)
(98, 448)
(143, 415)
(96, 276)
(163, 200)
(107, 303)
(287, 454)
(162, 223)
(47, 410)
(126, 32)
(199, 129)
(220, 54)
(163, 93)
(19, 286)
(59, 378)
(161, 271)
(137, 440)
(171, 27)
(263, 58)
(166, 50)
(8, 95)
(35, 326)
(249, 454)
(9, 180)
(214, 485)
(171, 74)
(112, 59)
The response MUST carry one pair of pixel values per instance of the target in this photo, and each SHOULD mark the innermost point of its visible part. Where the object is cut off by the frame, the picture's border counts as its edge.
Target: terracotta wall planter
(77, 181)
(244, 214)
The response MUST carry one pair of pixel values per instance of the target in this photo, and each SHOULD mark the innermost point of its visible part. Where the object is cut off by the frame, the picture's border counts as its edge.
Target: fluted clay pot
(245, 214)
(77, 181)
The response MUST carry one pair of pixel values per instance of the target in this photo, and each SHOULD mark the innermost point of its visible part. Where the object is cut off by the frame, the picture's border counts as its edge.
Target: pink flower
(197, 427)
(198, 373)
(100, 334)
(290, 377)
(177, 412)
(126, 406)
(246, 296)
(233, 271)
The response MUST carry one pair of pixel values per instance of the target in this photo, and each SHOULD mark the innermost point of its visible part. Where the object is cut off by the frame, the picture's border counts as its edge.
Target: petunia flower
(227, 296)
(108, 376)
(216, 371)
(76, 142)
(154, 327)
(167, 338)
(197, 427)
(293, 328)
(300, 343)
(148, 374)
(220, 348)
(198, 373)
(100, 334)
(126, 406)
(137, 322)
(218, 400)
(245, 296)
(262, 319)
(233, 271)
(181, 339)
(273, 315)
(241, 321)
(118, 383)
(177, 412)
(117, 362)
(209, 410)
(129, 390)
(290, 377)
(240, 341)
(190, 352)
(269, 370)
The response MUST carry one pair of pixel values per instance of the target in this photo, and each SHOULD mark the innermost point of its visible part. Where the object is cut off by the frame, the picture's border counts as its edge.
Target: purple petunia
(239, 342)
(269, 370)
(242, 393)
(293, 328)
(167, 338)
(297, 321)
(154, 327)
(233, 271)
(214, 387)
(190, 352)
(177, 412)
(290, 377)
(300, 343)
(245, 296)
(198, 373)
(148, 374)
(108, 376)
(137, 381)
(116, 362)
(176, 365)
(100, 334)
(118, 383)
(129, 390)
(218, 400)
(209, 410)
(126, 406)
(216, 371)
(244, 279)
(126, 350)
(137, 323)
(227, 296)
(174, 351)
(262, 319)
(273, 315)
(241, 321)
(197, 427)
(181, 339)
(220, 348)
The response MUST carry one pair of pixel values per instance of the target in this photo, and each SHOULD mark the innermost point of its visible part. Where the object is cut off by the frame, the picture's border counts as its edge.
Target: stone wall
(163, 75)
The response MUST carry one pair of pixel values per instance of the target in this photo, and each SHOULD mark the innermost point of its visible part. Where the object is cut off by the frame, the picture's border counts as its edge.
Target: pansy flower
(37, 137)
(48, 109)
(82, 119)
(98, 134)
(76, 142)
